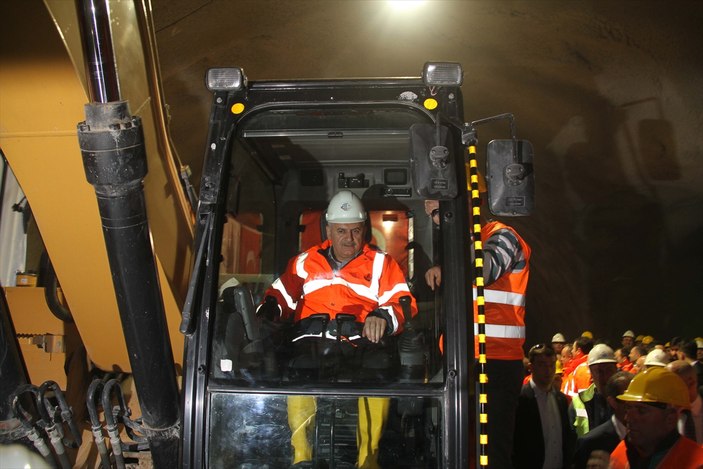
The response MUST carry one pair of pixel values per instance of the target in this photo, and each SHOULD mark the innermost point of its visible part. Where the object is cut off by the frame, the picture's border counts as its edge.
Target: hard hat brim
(339, 221)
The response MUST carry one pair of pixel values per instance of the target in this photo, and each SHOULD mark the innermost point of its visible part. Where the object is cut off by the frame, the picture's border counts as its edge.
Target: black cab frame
(276, 153)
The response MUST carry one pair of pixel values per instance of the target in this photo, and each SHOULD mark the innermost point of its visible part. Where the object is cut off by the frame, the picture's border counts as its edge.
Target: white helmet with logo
(656, 358)
(558, 338)
(345, 207)
(601, 353)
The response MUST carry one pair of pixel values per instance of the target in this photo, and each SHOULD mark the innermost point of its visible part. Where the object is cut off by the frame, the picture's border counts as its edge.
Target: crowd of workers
(594, 404)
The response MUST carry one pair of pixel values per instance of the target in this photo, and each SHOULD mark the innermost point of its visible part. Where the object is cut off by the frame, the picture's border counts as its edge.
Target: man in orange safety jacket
(506, 270)
(581, 347)
(343, 297)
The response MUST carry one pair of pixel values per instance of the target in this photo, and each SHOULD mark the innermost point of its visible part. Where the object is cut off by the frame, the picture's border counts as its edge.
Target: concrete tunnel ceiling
(609, 93)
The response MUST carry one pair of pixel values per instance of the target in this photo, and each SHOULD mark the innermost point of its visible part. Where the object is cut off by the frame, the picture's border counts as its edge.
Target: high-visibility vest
(504, 306)
(372, 280)
(685, 454)
(578, 401)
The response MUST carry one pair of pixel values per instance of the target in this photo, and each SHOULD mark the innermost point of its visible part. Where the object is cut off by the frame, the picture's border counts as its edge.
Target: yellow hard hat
(588, 334)
(639, 338)
(648, 339)
(657, 385)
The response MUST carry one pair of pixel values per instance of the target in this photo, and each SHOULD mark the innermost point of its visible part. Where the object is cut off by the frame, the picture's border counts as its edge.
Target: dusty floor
(608, 92)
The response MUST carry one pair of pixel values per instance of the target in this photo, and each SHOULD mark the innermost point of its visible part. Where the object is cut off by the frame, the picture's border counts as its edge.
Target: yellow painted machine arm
(42, 96)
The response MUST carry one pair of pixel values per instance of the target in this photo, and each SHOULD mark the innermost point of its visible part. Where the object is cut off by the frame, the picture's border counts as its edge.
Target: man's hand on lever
(374, 328)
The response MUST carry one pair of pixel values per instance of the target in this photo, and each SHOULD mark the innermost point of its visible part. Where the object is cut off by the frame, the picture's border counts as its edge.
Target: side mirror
(432, 161)
(510, 177)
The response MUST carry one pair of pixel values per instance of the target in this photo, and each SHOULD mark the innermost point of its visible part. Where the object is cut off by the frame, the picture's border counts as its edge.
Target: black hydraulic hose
(49, 425)
(95, 390)
(28, 422)
(63, 410)
(51, 286)
(110, 418)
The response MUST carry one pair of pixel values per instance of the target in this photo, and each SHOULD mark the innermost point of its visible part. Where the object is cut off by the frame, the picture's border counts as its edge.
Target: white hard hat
(656, 357)
(345, 207)
(559, 338)
(629, 334)
(601, 353)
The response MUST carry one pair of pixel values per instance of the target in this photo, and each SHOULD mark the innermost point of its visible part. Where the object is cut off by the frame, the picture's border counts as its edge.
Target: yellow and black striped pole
(473, 187)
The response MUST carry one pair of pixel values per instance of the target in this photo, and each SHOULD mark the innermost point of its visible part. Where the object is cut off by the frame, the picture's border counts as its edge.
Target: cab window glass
(253, 430)
(274, 208)
(241, 244)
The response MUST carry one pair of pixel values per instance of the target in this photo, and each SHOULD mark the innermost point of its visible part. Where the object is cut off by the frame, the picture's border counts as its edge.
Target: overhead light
(225, 79)
(405, 4)
(442, 74)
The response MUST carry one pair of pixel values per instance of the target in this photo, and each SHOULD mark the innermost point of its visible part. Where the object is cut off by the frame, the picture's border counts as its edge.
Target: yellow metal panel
(41, 101)
(36, 319)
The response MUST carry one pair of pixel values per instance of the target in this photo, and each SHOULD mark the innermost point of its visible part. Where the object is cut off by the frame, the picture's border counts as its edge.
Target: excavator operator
(345, 298)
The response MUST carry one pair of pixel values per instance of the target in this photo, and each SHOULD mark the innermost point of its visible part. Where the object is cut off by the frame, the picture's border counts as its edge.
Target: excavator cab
(276, 153)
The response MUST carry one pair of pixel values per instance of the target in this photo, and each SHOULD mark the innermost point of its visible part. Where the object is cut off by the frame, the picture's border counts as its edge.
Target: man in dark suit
(543, 437)
(691, 420)
(689, 351)
(607, 435)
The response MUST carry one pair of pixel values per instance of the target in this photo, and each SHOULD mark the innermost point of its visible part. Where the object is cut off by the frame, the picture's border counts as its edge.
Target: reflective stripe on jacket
(504, 305)
(372, 280)
(685, 454)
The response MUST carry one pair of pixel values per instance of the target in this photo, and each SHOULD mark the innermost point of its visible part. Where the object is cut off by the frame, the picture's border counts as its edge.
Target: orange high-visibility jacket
(579, 380)
(578, 358)
(685, 454)
(626, 365)
(371, 280)
(504, 306)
